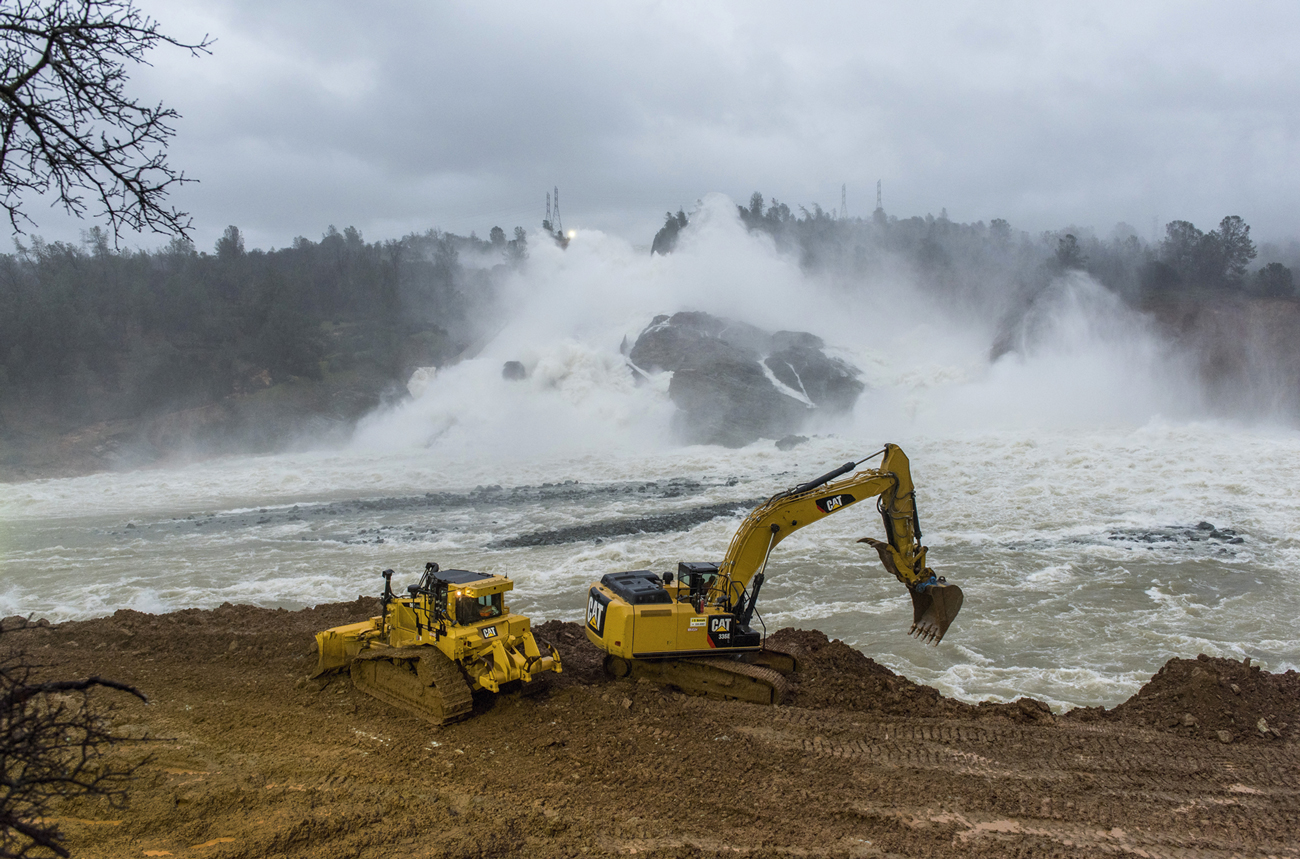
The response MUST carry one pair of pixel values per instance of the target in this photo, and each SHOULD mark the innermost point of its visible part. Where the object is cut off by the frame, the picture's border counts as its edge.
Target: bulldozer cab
(461, 596)
(471, 609)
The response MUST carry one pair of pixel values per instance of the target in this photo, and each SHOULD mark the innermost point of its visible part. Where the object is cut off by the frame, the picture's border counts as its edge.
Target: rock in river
(734, 383)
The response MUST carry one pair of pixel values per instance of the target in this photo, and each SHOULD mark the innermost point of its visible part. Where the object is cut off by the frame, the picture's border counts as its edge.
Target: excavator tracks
(780, 661)
(716, 678)
(420, 680)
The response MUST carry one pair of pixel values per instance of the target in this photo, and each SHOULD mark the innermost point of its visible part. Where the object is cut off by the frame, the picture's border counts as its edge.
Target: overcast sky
(400, 116)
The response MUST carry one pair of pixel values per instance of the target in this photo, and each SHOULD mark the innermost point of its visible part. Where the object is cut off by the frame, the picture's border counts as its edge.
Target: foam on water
(1057, 483)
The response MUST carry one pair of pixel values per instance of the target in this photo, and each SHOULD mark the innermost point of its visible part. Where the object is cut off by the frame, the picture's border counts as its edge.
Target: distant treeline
(993, 264)
(1227, 310)
(96, 334)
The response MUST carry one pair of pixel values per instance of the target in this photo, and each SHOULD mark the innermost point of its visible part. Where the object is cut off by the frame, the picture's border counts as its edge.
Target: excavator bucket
(933, 606)
(933, 610)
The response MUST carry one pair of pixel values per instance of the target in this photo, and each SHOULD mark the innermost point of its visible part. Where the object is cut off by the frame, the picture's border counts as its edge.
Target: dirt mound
(1214, 698)
(582, 662)
(833, 675)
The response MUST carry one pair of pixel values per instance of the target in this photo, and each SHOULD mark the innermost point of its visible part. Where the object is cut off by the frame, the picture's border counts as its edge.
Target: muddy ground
(247, 759)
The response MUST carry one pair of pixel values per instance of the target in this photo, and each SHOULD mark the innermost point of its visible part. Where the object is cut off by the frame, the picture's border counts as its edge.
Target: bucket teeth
(933, 608)
(925, 633)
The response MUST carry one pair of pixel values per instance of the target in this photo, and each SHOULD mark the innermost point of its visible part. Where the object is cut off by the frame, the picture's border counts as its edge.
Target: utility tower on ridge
(878, 206)
(844, 202)
(552, 223)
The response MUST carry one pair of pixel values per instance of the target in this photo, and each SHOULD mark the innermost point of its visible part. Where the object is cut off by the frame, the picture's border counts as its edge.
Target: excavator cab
(699, 578)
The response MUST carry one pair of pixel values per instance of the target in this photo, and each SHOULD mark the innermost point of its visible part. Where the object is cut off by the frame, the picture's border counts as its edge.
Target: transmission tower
(548, 210)
(878, 206)
(844, 202)
(559, 224)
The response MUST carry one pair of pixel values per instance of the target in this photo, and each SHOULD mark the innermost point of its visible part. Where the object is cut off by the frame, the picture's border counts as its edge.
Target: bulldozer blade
(933, 609)
(337, 647)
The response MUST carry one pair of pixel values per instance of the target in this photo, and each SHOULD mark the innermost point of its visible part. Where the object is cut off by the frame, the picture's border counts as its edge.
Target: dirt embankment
(249, 760)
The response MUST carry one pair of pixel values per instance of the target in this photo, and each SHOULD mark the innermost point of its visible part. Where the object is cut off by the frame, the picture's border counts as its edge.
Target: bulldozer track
(420, 680)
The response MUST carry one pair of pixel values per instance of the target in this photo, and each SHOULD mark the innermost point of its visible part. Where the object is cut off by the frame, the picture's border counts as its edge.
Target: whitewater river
(1062, 489)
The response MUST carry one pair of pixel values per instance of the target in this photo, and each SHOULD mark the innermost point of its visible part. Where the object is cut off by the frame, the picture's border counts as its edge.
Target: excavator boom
(935, 602)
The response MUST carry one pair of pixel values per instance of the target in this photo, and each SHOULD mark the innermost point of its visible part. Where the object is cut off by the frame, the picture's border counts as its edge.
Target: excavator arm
(740, 575)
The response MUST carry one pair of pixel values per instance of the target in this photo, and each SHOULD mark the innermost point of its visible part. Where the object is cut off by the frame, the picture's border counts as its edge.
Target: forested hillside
(144, 353)
(979, 260)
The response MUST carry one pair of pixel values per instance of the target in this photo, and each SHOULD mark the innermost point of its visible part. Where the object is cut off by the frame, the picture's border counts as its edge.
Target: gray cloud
(396, 116)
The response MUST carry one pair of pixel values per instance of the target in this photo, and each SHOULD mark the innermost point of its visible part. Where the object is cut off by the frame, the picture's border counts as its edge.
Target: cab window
(489, 605)
(470, 610)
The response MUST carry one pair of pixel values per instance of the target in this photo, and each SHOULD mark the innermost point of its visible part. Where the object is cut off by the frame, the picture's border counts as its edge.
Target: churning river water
(1062, 488)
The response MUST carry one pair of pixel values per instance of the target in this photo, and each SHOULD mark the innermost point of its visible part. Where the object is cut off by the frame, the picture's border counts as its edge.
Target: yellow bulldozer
(428, 651)
(695, 633)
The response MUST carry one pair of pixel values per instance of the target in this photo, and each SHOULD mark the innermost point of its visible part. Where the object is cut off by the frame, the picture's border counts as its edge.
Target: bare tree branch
(54, 745)
(68, 126)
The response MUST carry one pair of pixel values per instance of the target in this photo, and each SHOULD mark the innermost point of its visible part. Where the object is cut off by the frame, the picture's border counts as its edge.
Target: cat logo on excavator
(596, 605)
(834, 502)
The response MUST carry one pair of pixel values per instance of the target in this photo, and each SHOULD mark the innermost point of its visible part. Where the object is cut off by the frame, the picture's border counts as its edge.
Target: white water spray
(1080, 357)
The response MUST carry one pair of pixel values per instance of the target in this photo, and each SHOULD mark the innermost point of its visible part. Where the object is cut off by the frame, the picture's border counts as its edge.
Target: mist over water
(1079, 358)
(1063, 462)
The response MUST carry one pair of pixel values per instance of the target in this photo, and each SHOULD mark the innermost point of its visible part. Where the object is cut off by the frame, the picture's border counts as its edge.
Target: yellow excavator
(694, 633)
(428, 651)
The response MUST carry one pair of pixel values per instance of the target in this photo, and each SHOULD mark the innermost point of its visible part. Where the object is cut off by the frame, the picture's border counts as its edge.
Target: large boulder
(734, 383)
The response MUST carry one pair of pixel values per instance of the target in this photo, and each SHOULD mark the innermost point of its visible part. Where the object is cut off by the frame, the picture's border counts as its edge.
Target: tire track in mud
(974, 831)
(1078, 790)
